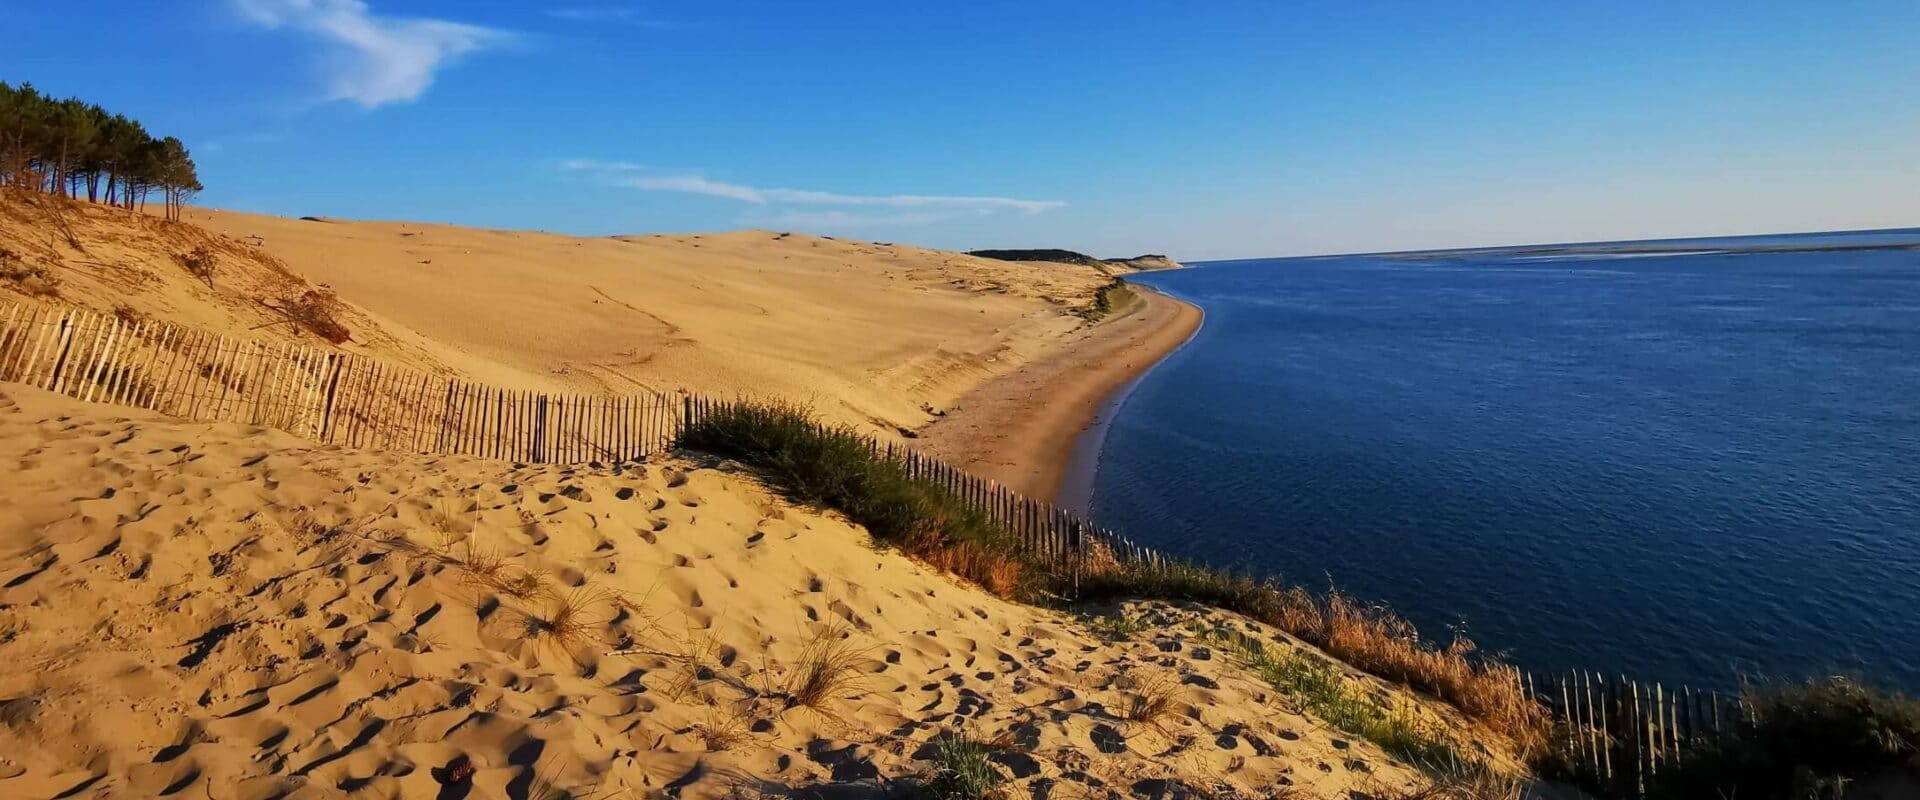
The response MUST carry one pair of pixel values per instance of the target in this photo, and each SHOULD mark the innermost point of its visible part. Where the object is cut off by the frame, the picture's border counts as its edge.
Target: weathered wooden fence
(324, 394)
(1618, 731)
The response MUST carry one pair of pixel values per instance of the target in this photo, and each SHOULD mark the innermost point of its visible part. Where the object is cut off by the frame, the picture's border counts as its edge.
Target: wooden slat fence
(320, 393)
(1619, 731)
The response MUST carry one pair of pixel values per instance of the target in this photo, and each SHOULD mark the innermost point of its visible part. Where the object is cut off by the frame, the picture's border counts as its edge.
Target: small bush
(835, 467)
(1804, 741)
(315, 311)
(963, 770)
(199, 262)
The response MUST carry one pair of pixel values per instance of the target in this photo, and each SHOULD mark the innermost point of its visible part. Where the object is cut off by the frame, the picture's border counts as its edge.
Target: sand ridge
(225, 611)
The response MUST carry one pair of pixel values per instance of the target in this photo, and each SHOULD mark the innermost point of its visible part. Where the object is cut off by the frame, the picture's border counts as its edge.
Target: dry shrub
(199, 262)
(1374, 639)
(490, 570)
(829, 670)
(998, 571)
(723, 729)
(315, 311)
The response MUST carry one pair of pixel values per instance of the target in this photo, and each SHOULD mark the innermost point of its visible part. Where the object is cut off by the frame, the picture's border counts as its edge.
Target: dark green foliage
(68, 147)
(835, 467)
(1044, 254)
(1804, 742)
(962, 770)
(1111, 297)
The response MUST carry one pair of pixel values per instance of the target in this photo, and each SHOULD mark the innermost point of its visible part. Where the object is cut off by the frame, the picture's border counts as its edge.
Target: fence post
(335, 365)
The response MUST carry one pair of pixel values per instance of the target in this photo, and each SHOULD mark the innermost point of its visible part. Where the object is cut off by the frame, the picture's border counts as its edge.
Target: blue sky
(1205, 129)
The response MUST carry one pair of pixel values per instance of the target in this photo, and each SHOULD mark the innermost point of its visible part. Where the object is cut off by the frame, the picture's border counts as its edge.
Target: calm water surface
(1678, 460)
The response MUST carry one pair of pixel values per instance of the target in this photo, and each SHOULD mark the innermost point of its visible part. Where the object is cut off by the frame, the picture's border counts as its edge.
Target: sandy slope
(869, 332)
(223, 611)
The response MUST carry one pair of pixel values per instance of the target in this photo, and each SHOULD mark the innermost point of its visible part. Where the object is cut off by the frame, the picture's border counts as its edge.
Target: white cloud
(622, 173)
(609, 14)
(380, 60)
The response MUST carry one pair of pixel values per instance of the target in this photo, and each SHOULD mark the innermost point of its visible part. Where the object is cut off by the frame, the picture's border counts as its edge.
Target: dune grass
(962, 770)
(829, 669)
(1809, 740)
(1323, 691)
(1369, 638)
(836, 467)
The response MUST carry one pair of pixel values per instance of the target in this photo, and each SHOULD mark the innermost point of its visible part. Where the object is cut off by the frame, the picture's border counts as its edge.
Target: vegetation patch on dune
(1369, 638)
(1322, 690)
(1112, 298)
(1810, 740)
(835, 467)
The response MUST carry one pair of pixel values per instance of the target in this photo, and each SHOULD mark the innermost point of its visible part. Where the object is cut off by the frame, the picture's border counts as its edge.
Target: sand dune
(870, 333)
(224, 611)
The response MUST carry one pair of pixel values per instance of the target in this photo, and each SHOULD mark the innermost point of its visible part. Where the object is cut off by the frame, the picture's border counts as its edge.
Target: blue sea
(1687, 461)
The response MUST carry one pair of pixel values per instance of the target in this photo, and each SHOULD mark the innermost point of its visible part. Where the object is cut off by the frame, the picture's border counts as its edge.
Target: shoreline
(1027, 429)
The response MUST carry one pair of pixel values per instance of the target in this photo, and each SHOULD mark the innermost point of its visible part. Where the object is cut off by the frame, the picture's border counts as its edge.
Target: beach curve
(1022, 428)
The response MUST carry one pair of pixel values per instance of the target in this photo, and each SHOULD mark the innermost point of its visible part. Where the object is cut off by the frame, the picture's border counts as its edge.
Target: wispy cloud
(378, 59)
(849, 220)
(620, 173)
(617, 15)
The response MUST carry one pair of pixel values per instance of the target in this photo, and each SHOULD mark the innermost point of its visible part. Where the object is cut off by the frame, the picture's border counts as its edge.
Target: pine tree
(62, 146)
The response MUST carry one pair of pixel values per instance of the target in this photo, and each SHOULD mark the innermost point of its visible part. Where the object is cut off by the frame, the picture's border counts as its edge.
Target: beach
(1022, 428)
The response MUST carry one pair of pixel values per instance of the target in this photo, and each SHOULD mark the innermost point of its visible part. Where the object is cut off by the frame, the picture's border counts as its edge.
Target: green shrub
(1804, 741)
(962, 770)
(1114, 296)
(835, 467)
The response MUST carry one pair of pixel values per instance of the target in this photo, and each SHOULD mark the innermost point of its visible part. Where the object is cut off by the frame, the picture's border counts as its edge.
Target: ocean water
(1685, 461)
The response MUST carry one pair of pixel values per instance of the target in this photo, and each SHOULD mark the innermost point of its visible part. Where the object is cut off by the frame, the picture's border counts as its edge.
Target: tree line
(74, 149)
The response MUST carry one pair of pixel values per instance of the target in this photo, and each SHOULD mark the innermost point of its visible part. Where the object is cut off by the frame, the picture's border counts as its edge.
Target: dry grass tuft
(570, 622)
(1465, 784)
(1152, 700)
(723, 730)
(829, 670)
